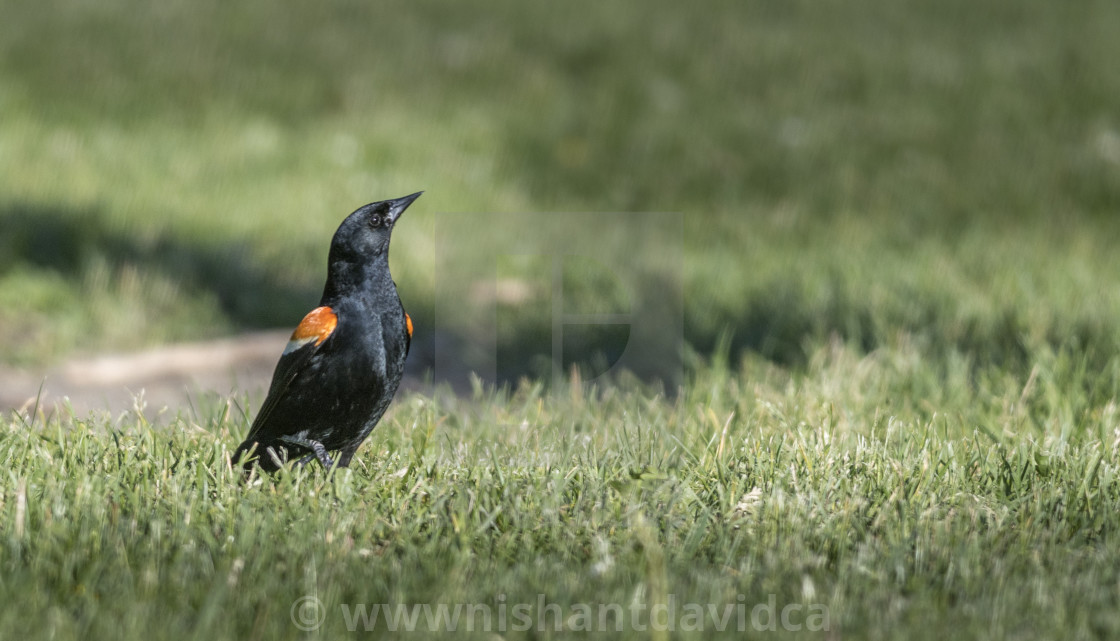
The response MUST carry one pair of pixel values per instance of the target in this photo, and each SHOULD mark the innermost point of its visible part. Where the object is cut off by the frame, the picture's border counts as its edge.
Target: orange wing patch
(316, 326)
(408, 324)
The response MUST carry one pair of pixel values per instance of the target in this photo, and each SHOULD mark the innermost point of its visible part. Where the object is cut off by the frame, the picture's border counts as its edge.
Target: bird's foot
(318, 451)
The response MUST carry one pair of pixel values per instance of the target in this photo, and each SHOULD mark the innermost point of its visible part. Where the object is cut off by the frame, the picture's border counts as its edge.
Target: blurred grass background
(940, 174)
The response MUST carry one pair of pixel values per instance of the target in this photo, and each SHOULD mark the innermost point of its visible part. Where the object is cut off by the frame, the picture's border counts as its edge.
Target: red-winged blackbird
(344, 362)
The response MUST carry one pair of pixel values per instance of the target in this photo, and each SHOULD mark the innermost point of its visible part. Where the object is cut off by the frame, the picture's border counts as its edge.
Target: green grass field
(901, 316)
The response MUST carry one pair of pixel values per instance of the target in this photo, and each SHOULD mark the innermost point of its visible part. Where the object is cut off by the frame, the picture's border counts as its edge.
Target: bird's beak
(397, 207)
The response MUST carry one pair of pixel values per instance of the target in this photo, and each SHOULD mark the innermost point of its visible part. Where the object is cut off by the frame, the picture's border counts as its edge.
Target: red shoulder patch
(408, 324)
(317, 326)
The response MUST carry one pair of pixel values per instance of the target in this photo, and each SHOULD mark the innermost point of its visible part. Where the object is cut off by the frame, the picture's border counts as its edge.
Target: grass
(898, 268)
(906, 503)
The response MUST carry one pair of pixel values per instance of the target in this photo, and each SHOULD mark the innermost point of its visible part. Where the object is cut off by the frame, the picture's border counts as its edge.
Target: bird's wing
(315, 328)
(408, 326)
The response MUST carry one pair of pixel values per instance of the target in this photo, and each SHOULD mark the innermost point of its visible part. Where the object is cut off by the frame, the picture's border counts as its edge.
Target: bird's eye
(375, 221)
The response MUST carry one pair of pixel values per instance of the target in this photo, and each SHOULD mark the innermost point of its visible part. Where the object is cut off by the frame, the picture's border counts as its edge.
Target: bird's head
(365, 234)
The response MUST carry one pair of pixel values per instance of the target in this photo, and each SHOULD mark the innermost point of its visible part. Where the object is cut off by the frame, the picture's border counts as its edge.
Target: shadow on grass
(70, 241)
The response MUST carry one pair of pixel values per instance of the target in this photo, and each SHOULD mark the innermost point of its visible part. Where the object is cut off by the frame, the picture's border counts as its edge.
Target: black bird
(344, 361)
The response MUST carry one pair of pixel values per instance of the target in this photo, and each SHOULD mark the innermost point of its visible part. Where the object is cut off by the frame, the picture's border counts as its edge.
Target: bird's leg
(319, 455)
(319, 451)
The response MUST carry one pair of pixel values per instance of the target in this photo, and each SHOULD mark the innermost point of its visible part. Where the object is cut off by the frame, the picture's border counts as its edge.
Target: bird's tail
(245, 457)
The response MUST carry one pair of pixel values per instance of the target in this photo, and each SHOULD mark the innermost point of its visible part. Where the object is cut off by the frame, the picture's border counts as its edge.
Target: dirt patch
(167, 376)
